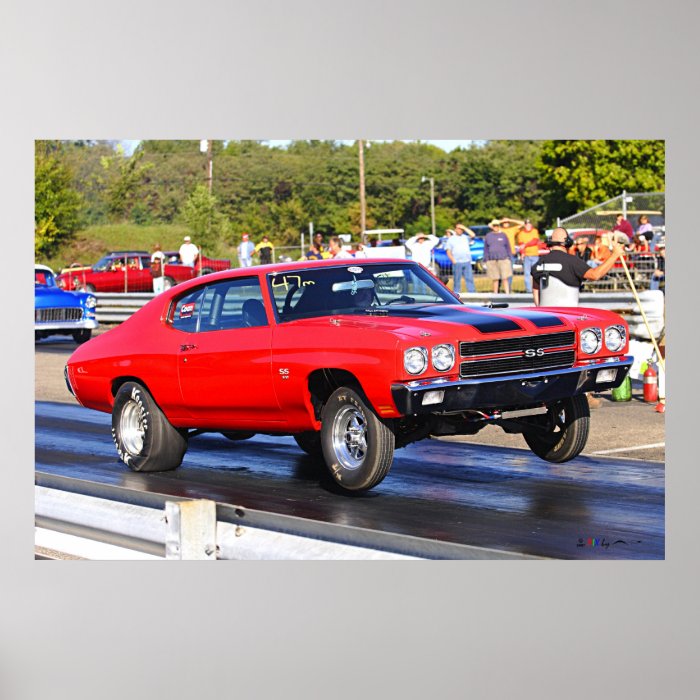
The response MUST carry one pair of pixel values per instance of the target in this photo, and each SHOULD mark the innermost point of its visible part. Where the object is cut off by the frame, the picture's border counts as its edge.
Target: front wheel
(357, 445)
(82, 336)
(563, 432)
(310, 442)
(237, 435)
(145, 439)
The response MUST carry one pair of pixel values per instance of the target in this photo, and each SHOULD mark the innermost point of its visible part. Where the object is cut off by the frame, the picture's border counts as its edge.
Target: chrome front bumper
(67, 326)
(507, 391)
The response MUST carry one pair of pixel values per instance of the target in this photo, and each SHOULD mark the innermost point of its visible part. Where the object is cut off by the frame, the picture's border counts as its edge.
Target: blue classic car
(57, 312)
(443, 265)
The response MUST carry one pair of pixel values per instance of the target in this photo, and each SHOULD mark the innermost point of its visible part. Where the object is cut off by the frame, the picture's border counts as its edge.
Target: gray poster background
(375, 70)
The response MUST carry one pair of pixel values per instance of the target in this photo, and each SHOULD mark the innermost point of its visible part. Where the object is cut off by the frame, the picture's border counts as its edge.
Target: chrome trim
(67, 325)
(442, 383)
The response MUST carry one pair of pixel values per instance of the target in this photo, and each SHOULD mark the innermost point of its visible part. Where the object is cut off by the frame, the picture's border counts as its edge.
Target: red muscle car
(353, 358)
(130, 271)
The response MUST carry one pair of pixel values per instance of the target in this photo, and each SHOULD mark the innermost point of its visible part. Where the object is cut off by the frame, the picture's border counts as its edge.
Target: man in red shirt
(621, 224)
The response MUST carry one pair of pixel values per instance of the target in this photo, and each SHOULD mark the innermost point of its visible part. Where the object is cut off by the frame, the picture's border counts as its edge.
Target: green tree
(124, 188)
(579, 174)
(56, 203)
(203, 218)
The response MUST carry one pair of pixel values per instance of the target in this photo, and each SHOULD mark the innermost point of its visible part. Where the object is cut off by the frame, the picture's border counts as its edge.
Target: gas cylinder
(624, 391)
(651, 387)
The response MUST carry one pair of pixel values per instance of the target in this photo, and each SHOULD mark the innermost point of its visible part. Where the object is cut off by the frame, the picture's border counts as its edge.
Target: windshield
(367, 288)
(43, 278)
(106, 263)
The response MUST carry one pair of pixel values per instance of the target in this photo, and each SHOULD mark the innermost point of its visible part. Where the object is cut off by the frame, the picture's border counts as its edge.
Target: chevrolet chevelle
(354, 358)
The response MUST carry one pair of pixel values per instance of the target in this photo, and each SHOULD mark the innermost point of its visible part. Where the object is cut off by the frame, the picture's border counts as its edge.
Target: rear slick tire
(358, 447)
(566, 435)
(144, 438)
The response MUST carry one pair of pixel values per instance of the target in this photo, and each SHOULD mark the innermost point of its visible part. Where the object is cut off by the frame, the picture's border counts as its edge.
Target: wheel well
(323, 382)
(119, 381)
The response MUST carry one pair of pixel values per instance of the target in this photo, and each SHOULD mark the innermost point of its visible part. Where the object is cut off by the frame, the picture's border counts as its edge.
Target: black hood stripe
(537, 318)
(485, 321)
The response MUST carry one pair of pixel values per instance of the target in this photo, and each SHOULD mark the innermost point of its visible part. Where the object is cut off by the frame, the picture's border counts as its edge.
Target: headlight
(591, 340)
(90, 302)
(415, 360)
(443, 357)
(615, 337)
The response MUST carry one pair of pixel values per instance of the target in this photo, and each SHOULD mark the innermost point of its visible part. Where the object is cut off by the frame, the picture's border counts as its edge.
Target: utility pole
(363, 203)
(210, 164)
(432, 200)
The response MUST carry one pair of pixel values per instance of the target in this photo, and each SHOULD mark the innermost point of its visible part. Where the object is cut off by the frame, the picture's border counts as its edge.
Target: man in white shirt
(458, 251)
(245, 251)
(421, 247)
(188, 252)
(335, 248)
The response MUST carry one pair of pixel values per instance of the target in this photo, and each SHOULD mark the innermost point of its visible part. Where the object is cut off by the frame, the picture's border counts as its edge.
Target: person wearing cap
(421, 247)
(658, 277)
(458, 251)
(188, 252)
(245, 251)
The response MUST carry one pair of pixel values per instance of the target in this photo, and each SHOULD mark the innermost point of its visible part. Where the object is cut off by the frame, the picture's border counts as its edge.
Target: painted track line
(629, 449)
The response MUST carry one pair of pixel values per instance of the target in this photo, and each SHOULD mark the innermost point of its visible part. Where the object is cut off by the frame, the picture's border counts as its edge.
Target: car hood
(45, 297)
(478, 320)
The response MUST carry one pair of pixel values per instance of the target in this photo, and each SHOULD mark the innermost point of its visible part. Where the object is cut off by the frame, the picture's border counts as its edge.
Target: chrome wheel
(350, 437)
(132, 428)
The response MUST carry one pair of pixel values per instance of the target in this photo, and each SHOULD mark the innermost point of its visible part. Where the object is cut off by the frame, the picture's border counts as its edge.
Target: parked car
(57, 312)
(130, 271)
(329, 352)
(442, 263)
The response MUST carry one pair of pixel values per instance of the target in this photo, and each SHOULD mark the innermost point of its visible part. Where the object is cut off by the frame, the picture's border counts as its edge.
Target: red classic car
(353, 358)
(130, 271)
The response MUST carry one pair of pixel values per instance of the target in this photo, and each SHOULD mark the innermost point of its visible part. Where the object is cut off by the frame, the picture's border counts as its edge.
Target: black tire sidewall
(374, 466)
(573, 438)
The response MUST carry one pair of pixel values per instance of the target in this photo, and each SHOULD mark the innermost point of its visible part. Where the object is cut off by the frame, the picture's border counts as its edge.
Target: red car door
(224, 356)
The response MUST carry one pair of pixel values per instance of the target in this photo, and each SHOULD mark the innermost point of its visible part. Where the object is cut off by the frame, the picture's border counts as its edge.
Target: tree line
(278, 191)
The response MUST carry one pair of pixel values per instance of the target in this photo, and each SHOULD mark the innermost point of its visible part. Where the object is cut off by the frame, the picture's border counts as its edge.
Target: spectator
(264, 251)
(189, 253)
(458, 251)
(336, 250)
(245, 251)
(558, 277)
(641, 244)
(528, 244)
(621, 224)
(583, 251)
(319, 243)
(644, 228)
(157, 269)
(497, 254)
(601, 250)
(421, 247)
(658, 277)
(568, 269)
(511, 227)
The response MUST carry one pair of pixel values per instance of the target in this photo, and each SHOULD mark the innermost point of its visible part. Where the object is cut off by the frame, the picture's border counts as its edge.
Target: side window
(233, 304)
(186, 311)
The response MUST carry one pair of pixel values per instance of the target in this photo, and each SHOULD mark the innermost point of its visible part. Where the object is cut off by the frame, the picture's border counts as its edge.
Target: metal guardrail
(115, 308)
(89, 514)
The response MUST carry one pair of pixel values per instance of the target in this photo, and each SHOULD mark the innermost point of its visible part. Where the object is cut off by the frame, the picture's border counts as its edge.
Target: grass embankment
(90, 244)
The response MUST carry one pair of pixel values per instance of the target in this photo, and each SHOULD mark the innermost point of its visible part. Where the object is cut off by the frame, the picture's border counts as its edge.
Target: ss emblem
(532, 352)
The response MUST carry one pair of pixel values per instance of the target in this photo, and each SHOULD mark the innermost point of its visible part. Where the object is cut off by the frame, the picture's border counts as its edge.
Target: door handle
(185, 348)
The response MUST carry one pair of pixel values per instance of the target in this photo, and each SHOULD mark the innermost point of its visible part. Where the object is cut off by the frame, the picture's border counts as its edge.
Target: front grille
(490, 347)
(54, 315)
(520, 363)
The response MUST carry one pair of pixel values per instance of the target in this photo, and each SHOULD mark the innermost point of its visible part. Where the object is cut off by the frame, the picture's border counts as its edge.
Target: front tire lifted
(145, 439)
(358, 447)
(562, 433)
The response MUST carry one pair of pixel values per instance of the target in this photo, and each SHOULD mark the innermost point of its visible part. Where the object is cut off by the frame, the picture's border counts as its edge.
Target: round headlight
(591, 340)
(615, 338)
(415, 360)
(443, 357)
(90, 302)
